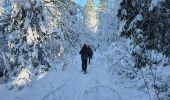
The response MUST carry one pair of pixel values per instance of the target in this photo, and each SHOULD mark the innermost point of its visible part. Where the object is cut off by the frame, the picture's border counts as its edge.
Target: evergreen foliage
(102, 5)
(90, 15)
(148, 28)
(35, 30)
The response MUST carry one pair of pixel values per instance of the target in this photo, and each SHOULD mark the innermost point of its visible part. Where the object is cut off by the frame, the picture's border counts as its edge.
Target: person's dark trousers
(84, 64)
(89, 60)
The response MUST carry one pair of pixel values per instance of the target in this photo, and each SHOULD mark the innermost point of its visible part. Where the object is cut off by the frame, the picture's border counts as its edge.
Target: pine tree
(90, 15)
(148, 32)
(27, 31)
(36, 33)
(1, 7)
(107, 19)
(102, 5)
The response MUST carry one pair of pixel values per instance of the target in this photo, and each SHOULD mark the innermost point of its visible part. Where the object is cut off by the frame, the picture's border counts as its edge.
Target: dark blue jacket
(84, 52)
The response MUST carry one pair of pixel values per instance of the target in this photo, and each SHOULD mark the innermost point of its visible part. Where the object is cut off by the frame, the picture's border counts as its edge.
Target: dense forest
(40, 42)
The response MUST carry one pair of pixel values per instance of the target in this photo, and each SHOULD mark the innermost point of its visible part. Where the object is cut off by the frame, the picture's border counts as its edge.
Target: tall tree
(33, 42)
(147, 26)
(102, 5)
(26, 37)
(90, 15)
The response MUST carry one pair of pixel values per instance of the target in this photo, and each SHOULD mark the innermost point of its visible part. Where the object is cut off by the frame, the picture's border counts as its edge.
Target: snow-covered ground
(110, 75)
(72, 84)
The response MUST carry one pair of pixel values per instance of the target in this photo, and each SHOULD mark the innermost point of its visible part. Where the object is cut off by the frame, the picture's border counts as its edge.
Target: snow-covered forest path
(95, 85)
(72, 84)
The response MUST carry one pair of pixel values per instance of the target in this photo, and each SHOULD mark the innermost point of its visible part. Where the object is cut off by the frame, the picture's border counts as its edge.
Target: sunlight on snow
(30, 37)
(23, 77)
(41, 76)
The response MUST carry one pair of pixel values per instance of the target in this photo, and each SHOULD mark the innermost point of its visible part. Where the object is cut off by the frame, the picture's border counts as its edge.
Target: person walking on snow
(84, 56)
(90, 53)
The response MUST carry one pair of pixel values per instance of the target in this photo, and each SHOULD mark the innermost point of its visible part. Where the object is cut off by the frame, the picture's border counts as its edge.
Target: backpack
(90, 52)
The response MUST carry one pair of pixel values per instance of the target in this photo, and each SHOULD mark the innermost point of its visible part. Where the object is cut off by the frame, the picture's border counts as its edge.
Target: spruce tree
(26, 38)
(102, 5)
(148, 28)
(90, 15)
(35, 34)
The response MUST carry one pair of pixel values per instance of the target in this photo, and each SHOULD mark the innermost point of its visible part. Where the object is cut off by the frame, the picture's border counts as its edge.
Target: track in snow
(95, 85)
(72, 84)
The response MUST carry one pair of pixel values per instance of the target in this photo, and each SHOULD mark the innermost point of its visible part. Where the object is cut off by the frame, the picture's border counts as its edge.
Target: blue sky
(82, 2)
